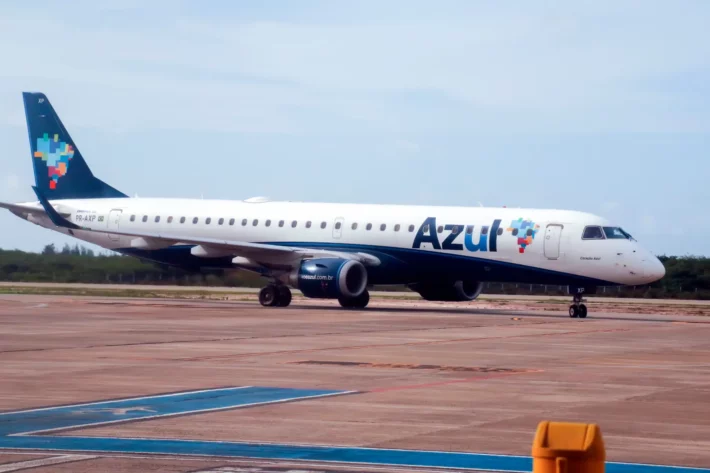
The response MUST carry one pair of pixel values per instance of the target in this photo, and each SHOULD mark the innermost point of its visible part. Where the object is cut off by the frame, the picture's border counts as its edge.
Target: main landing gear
(359, 302)
(278, 295)
(275, 296)
(578, 309)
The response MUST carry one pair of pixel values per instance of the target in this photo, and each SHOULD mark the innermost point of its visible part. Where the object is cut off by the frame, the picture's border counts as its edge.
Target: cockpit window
(592, 233)
(616, 233)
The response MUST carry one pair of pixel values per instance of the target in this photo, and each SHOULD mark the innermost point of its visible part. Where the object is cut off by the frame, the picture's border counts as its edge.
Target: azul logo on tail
(523, 230)
(56, 154)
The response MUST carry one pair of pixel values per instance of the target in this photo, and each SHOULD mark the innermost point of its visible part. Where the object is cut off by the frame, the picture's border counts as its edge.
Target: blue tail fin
(60, 169)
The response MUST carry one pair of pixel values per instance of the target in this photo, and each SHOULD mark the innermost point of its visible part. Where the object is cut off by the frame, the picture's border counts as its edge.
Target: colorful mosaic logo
(525, 230)
(56, 154)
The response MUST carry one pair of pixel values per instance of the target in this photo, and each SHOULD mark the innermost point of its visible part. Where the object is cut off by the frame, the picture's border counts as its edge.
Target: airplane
(329, 250)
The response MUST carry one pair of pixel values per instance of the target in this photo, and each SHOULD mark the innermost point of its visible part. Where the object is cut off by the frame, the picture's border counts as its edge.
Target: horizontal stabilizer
(53, 215)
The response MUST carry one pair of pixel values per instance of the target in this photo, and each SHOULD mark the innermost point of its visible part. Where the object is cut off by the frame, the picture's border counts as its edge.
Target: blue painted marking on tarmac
(412, 458)
(16, 429)
(124, 410)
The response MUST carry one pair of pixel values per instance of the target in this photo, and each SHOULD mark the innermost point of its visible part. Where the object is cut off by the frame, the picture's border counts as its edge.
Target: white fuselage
(551, 251)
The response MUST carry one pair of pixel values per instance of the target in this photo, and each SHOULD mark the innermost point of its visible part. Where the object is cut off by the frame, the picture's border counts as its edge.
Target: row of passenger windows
(455, 229)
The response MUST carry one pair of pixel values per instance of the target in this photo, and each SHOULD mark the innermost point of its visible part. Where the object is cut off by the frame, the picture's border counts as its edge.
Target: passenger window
(268, 223)
(411, 228)
(244, 222)
(157, 219)
(469, 230)
(220, 221)
(293, 224)
(145, 218)
(195, 220)
(515, 232)
(231, 221)
(592, 233)
(425, 229)
(208, 220)
(354, 226)
(484, 231)
(255, 222)
(455, 230)
(323, 224)
(308, 224)
(170, 220)
(440, 229)
(383, 227)
(182, 219)
(368, 227)
(337, 225)
(500, 232)
(281, 223)
(133, 218)
(396, 228)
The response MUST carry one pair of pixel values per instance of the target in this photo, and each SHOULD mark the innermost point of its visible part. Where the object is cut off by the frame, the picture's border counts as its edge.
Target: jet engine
(452, 291)
(330, 278)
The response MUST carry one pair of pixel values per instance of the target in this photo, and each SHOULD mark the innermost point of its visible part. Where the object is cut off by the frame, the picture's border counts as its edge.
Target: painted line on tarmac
(16, 429)
(62, 418)
(125, 399)
(318, 453)
(24, 465)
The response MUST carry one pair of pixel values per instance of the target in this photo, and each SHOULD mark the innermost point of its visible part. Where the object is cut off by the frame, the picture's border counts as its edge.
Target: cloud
(406, 146)
(648, 224)
(10, 187)
(12, 182)
(610, 206)
(597, 68)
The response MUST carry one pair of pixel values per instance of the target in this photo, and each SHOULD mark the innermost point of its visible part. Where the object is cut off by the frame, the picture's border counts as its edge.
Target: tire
(284, 296)
(359, 302)
(268, 296)
(582, 311)
(345, 302)
(573, 311)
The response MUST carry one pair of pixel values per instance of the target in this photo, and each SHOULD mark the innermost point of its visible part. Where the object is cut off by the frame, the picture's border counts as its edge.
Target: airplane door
(552, 241)
(338, 227)
(114, 218)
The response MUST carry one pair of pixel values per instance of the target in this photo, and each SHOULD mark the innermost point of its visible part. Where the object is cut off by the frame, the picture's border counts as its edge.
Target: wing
(268, 255)
(21, 208)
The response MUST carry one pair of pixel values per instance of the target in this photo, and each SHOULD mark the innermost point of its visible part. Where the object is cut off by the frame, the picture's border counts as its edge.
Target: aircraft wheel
(284, 296)
(573, 311)
(582, 311)
(359, 302)
(268, 296)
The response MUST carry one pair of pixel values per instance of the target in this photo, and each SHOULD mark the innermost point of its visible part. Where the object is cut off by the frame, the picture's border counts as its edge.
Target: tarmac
(122, 384)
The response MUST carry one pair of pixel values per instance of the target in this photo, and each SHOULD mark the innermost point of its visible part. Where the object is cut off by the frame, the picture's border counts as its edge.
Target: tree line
(686, 277)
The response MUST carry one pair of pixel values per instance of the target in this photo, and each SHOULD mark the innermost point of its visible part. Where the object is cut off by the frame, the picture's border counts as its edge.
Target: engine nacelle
(457, 291)
(330, 278)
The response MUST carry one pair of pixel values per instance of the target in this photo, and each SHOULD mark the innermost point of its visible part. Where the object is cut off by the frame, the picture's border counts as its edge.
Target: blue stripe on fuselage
(399, 265)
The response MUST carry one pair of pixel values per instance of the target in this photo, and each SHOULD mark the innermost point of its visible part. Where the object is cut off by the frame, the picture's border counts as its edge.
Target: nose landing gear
(578, 309)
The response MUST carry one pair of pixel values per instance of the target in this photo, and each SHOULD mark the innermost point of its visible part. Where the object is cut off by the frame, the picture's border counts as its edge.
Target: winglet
(54, 216)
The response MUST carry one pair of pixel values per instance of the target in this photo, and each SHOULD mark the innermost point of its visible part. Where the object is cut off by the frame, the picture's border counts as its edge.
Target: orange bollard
(562, 447)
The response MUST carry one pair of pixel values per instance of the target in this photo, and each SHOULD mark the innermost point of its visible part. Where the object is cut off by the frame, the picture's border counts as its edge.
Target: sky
(598, 106)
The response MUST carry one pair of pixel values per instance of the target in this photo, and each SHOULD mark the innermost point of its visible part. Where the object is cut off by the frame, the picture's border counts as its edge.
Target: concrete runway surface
(100, 384)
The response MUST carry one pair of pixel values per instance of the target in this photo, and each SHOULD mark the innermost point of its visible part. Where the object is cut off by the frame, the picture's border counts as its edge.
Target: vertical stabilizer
(60, 169)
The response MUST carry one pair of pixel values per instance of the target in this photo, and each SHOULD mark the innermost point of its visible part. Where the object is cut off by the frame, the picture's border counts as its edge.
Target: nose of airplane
(653, 269)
